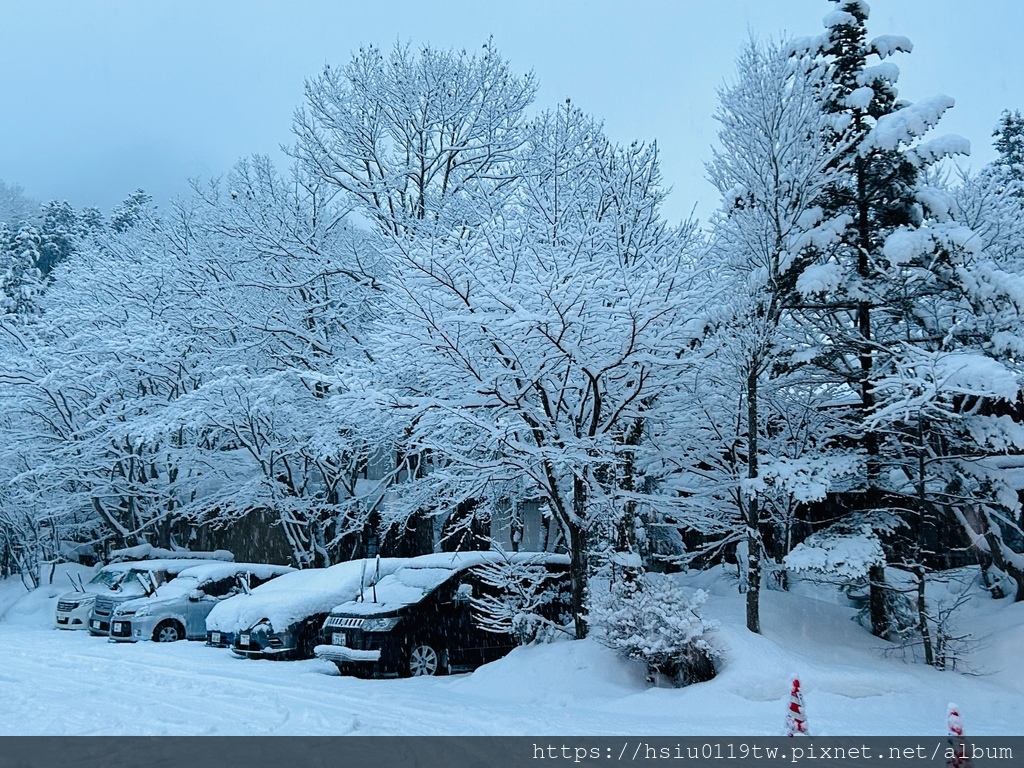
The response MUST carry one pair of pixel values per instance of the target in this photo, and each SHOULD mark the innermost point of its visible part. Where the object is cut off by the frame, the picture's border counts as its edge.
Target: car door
(442, 618)
(199, 604)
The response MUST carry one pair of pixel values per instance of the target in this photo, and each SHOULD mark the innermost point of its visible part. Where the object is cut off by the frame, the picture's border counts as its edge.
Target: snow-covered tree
(1009, 143)
(16, 208)
(411, 136)
(21, 280)
(536, 290)
(520, 599)
(874, 299)
(773, 166)
(541, 340)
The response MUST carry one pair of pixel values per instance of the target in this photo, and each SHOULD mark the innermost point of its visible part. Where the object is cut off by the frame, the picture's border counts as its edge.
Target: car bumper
(99, 626)
(263, 653)
(339, 653)
(263, 645)
(77, 618)
(131, 629)
(220, 639)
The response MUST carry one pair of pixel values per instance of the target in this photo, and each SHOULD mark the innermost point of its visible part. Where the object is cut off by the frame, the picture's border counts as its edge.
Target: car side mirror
(464, 593)
(194, 596)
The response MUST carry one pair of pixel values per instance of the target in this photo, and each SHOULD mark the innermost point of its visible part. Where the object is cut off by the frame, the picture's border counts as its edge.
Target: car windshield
(182, 585)
(107, 578)
(139, 582)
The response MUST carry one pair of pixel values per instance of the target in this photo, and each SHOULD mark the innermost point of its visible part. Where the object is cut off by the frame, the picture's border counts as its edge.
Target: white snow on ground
(62, 682)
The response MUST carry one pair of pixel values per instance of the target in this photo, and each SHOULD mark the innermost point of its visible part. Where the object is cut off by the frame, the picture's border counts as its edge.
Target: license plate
(338, 638)
(243, 639)
(215, 638)
(117, 626)
(95, 625)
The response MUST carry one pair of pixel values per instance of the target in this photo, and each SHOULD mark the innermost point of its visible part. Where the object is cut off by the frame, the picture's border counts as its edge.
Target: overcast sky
(100, 97)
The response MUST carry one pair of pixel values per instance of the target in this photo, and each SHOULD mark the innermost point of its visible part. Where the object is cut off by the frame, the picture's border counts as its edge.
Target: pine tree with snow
(21, 281)
(1009, 143)
(881, 287)
(58, 234)
(136, 207)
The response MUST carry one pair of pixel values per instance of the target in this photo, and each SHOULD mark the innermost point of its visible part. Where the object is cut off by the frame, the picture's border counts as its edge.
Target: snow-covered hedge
(651, 618)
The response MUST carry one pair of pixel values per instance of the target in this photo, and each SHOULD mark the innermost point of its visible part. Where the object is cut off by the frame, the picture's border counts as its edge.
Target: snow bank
(561, 674)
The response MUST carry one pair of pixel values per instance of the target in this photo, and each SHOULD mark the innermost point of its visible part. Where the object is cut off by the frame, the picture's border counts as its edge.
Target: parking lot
(66, 682)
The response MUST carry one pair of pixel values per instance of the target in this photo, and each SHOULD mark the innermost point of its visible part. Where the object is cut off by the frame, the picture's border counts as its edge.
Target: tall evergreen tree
(1009, 143)
(58, 232)
(866, 308)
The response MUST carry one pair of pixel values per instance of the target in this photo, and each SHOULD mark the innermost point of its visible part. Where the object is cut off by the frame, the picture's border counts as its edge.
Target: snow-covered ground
(60, 682)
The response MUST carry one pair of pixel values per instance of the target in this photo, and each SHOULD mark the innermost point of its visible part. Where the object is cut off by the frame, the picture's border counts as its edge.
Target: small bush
(650, 618)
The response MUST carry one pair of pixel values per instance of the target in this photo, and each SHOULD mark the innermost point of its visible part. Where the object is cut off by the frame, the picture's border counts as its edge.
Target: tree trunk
(924, 542)
(876, 598)
(753, 509)
(578, 576)
(922, 618)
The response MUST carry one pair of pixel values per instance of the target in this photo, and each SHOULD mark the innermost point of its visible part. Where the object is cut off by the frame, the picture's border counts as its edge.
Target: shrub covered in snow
(526, 600)
(843, 555)
(651, 618)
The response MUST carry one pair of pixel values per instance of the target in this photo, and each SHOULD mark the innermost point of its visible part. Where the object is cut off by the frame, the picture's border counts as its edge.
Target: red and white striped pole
(796, 718)
(955, 725)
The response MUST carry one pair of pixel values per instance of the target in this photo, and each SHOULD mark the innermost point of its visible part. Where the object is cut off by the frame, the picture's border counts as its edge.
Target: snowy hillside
(60, 682)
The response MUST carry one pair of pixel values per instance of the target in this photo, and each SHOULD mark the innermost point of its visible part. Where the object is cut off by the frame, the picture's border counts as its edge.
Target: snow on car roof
(297, 595)
(149, 552)
(422, 575)
(119, 587)
(214, 571)
(172, 567)
(197, 576)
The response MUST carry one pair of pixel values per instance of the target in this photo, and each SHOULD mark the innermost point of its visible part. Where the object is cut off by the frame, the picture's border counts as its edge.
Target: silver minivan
(177, 610)
(142, 579)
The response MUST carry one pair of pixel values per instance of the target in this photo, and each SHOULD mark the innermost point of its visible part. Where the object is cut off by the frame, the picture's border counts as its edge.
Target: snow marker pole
(955, 726)
(796, 719)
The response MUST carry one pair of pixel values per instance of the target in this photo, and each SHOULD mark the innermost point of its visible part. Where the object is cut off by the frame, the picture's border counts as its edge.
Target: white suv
(73, 608)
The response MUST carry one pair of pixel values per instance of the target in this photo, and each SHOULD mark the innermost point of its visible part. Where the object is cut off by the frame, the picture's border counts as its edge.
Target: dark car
(420, 620)
(282, 618)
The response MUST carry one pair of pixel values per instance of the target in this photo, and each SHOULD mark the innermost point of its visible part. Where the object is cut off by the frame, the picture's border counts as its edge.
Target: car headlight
(380, 625)
(140, 612)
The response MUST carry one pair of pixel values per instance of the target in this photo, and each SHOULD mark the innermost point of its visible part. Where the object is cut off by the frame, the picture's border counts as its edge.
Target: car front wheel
(425, 659)
(168, 632)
